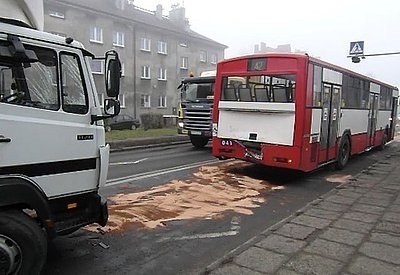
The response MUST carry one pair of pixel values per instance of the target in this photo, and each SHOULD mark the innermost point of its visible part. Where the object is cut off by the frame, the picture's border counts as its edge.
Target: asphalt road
(177, 217)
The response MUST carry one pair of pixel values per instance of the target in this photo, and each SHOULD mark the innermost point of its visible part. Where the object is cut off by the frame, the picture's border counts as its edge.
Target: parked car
(121, 122)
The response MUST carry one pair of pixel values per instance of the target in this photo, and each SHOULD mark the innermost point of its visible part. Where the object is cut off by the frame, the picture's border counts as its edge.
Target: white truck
(53, 156)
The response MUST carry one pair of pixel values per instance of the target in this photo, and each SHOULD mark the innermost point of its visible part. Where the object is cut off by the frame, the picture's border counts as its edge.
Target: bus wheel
(199, 142)
(343, 153)
(23, 244)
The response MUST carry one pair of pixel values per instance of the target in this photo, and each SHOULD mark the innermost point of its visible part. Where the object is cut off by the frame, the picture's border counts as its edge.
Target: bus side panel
(281, 156)
(359, 143)
(356, 121)
(309, 152)
(309, 155)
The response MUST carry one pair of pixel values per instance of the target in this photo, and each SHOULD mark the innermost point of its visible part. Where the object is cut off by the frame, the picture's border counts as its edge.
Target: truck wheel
(343, 153)
(23, 244)
(199, 142)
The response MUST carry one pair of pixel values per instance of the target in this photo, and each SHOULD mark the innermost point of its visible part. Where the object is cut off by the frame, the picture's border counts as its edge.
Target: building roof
(135, 14)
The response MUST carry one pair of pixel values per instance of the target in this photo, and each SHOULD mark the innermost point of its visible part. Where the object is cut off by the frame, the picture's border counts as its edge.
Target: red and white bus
(295, 111)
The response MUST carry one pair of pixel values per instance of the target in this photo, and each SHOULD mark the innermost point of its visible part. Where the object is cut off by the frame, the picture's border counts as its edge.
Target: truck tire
(23, 244)
(343, 153)
(199, 142)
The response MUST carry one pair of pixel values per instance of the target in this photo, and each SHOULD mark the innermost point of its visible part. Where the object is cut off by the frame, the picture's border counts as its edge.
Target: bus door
(372, 117)
(329, 121)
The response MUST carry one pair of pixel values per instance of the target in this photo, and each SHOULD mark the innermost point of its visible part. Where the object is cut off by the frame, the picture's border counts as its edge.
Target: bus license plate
(226, 142)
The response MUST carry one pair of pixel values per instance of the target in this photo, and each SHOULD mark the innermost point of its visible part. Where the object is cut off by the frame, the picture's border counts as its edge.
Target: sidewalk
(353, 229)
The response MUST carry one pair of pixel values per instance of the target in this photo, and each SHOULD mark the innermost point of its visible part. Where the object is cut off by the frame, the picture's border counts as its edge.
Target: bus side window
(317, 86)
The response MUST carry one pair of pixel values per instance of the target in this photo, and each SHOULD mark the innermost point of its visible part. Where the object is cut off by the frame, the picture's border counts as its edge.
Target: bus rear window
(259, 88)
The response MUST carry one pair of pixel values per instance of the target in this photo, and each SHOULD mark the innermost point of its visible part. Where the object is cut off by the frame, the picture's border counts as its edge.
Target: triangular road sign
(357, 47)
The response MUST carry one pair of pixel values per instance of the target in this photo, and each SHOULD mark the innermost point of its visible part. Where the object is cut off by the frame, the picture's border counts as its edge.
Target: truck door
(45, 123)
(329, 121)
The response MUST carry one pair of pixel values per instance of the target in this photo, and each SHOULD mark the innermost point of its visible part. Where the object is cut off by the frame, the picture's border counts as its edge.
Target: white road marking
(146, 175)
(127, 162)
(235, 228)
(206, 236)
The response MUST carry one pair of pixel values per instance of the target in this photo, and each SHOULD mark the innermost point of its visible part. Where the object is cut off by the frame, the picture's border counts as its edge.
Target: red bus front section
(259, 115)
(294, 111)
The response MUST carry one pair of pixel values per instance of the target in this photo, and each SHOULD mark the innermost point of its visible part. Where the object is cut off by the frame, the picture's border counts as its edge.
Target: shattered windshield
(201, 92)
(31, 84)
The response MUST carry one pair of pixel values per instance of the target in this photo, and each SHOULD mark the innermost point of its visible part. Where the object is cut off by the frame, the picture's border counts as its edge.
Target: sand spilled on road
(214, 190)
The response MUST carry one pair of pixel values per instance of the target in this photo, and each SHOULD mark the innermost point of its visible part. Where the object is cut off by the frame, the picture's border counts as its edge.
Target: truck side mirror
(113, 73)
(111, 106)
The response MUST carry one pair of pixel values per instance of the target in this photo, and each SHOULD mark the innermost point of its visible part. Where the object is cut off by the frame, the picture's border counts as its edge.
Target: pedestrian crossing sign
(357, 48)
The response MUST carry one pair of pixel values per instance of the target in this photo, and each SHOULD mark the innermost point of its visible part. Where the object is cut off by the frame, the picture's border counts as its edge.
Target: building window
(120, 4)
(57, 14)
(121, 98)
(146, 72)
(96, 34)
(162, 102)
(145, 44)
(118, 39)
(162, 47)
(183, 44)
(97, 66)
(203, 56)
(101, 99)
(122, 69)
(145, 101)
(214, 59)
(184, 63)
(162, 75)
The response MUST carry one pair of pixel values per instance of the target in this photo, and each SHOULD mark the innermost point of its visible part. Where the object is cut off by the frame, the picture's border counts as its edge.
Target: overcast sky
(324, 29)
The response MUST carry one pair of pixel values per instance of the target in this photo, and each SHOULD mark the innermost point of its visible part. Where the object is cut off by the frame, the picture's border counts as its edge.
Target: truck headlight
(180, 124)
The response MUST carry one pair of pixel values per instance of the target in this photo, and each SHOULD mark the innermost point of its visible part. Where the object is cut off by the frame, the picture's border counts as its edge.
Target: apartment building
(156, 51)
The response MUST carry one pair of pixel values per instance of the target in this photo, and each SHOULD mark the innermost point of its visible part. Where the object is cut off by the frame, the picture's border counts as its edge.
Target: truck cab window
(73, 90)
(30, 84)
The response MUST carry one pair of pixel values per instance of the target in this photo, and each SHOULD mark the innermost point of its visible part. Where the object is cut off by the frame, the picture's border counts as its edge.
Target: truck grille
(197, 120)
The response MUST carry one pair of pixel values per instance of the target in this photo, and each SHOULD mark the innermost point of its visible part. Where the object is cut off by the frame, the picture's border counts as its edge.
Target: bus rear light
(283, 160)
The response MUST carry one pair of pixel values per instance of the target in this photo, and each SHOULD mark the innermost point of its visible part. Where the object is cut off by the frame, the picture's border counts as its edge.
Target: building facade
(156, 51)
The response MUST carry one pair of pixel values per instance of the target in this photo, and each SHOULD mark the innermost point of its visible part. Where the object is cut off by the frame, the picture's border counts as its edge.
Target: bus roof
(310, 59)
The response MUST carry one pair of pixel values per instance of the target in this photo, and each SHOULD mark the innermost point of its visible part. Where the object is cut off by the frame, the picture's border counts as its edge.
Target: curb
(134, 144)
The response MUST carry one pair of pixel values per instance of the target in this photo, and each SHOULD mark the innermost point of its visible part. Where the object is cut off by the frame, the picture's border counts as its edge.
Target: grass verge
(140, 133)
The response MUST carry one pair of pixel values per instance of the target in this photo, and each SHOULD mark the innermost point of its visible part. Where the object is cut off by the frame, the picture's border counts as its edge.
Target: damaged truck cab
(53, 156)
